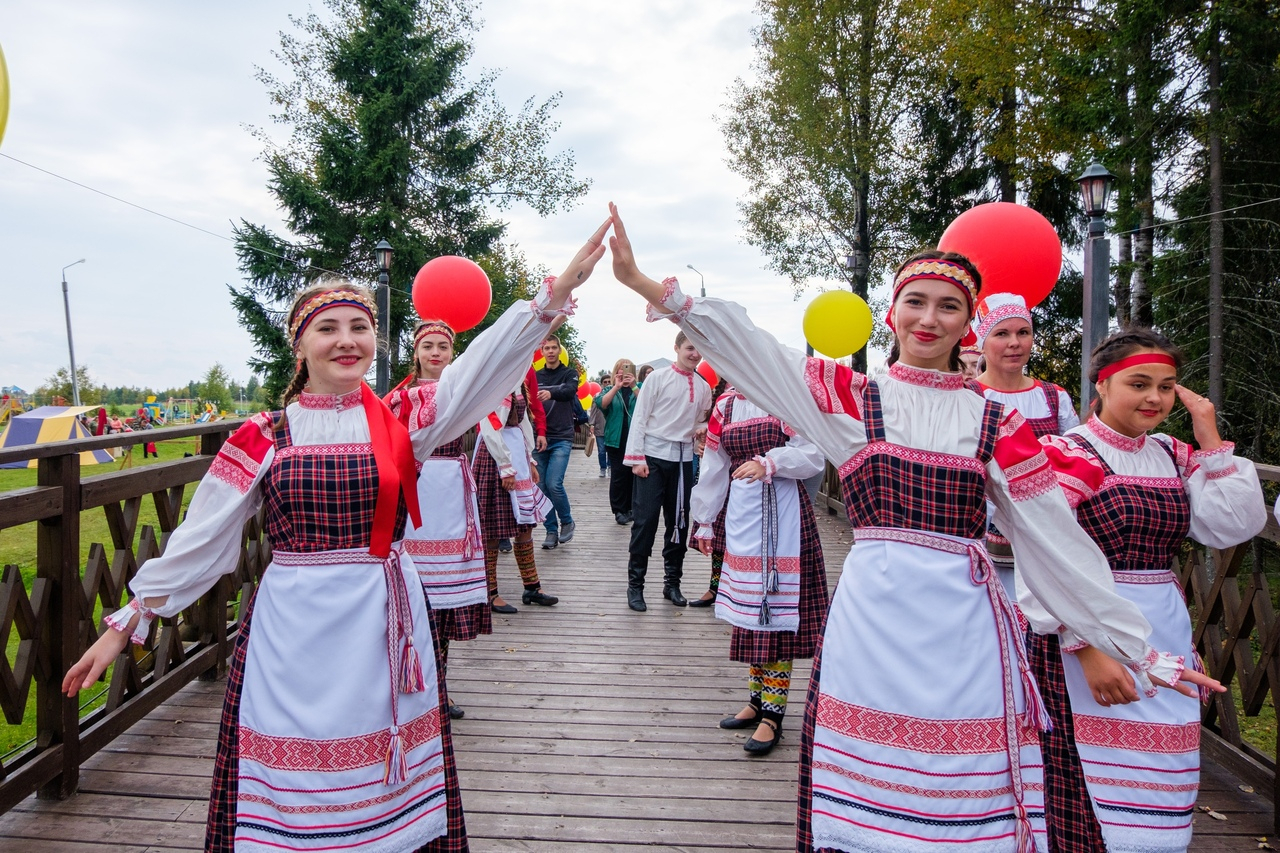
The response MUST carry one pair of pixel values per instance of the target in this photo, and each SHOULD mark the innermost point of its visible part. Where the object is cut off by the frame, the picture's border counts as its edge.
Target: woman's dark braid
(291, 393)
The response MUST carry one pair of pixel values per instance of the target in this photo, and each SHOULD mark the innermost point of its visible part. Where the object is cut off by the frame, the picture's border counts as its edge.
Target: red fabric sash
(397, 471)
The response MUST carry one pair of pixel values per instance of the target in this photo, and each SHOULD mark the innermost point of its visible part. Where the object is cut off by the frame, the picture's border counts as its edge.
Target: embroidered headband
(939, 270)
(1135, 360)
(432, 327)
(993, 309)
(324, 300)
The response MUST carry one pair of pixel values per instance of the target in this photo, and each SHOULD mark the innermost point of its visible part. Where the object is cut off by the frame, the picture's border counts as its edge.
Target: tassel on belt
(403, 662)
(1013, 651)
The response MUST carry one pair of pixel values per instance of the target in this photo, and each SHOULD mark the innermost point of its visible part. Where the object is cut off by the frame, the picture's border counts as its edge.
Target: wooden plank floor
(588, 728)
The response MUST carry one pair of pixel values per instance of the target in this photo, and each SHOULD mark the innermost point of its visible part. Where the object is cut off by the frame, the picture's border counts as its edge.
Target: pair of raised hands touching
(625, 269)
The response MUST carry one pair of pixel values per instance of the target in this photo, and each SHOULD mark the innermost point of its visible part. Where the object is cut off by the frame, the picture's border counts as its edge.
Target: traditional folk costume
(1127, 775)
(920, 727)
(334, 734)
(773, 584)
(1047, 408)
(667, 412)
(506, 440)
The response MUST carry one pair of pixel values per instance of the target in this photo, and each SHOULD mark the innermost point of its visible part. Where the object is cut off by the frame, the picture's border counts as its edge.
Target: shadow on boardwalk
(588, 728)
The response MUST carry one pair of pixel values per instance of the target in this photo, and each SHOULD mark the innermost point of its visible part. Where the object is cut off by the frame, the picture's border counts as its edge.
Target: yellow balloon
(837, 323)
(4, 95)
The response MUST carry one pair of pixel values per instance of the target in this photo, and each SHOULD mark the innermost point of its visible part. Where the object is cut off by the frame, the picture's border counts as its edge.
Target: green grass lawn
(18, 548)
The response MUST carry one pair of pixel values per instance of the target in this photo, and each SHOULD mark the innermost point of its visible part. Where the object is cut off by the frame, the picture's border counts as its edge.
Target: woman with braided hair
(334, 733)
(1122, 774)
(921, 720)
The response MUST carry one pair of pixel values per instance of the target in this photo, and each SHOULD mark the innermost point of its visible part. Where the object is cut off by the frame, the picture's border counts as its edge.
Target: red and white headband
(1134, 361)
(937, 270)
(323, 301)
(432, 327)
(993, 309)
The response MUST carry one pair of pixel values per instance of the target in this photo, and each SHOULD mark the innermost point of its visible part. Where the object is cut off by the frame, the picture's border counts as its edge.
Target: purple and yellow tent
(46, 424)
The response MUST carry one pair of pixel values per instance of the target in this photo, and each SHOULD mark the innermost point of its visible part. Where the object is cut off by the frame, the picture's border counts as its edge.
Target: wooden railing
(54, 616)
(1235, 630)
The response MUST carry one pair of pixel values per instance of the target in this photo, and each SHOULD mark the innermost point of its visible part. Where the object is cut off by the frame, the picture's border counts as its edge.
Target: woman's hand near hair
(1204, 420)
(625, 269)
(580, 268)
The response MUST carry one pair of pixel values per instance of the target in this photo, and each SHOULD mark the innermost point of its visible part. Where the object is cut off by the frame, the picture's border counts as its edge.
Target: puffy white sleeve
(633, 454)
(1058, 564)
(819, 399)
(497, 447)
(798, 459)
(1227, 505)
(711, 491)
(474, 384)
(1067, 417)
(206, 545)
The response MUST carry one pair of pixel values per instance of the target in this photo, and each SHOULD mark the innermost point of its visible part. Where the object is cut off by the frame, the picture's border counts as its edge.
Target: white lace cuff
(770, 467)
(673, 300)
(1217, 463)
(119, 621)
(543, 299)
(1162, 665)
(704, 531)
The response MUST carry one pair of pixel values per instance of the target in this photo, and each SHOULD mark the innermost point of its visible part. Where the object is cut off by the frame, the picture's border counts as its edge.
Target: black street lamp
(382, 252)
(1095, 190)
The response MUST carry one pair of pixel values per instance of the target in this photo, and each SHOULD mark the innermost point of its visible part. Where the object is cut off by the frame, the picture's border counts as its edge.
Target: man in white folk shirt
(660, 454)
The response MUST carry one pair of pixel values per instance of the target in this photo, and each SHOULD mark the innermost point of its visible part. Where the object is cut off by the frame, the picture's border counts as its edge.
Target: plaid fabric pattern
(463, 623)
(804, 785)
(1048, 425)
(1069, 817)
(451, 450)
(497, 517)
(305, 519)
(455, 838)
(220, 828)
(887, 491)
(1138, 526)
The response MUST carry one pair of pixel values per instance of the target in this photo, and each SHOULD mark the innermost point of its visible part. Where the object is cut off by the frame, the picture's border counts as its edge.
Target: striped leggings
(769, 684)
(523, 547)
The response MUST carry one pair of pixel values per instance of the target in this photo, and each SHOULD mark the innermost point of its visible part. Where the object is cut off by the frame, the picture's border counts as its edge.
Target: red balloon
(1014, 248)
(454, 290)
(595, 388)
(707, 372)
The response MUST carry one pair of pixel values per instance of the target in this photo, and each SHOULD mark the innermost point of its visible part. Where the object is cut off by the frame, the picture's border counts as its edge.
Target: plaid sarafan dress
(921, 720)
(773, 584)
(1125, 777)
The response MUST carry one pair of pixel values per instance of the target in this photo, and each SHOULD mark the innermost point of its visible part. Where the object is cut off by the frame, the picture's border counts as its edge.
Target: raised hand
(583, 263)
(1204, 421)
(625, 269)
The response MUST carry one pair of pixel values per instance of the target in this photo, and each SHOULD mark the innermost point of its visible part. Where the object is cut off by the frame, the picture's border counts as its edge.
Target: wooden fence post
(58, 560)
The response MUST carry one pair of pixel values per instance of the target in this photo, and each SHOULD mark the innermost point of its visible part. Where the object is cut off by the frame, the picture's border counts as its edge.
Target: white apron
(528, 502)
(447, 550)
(760, 579)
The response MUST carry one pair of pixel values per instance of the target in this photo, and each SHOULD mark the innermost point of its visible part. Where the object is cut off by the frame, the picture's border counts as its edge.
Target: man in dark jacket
(558, 389)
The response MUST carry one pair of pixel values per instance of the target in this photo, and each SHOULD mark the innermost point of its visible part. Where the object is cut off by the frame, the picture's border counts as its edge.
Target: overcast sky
(149, 102)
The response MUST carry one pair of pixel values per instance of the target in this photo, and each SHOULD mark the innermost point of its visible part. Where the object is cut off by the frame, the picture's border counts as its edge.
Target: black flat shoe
(456, 713)
(504, 545)
(537, 596)
(756, 747)
(502, 608)
(672, 594)
(635, 600)
(702, 602)
(739, 723)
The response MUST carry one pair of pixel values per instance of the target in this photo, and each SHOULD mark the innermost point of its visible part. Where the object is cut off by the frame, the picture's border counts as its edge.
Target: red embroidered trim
(1138, 737)
(1008, 311)
(346, 807)
(1144, 577)
(752, 566)
(835, 388)
(916, 790)
(912, 454)
(1039, 482)
(435, 547)
(421, 400)
(924, 378)
(1144, 482)
(767, 419)
(337, 755)
(322, 450)
(1112, 438)
(232, 474)
(631, 458)
(930, 737)
(240, 459)
(349, 400)
(1221, 472)
(1227, 447)
(539, 304)
(324, 558)
(1143, 785)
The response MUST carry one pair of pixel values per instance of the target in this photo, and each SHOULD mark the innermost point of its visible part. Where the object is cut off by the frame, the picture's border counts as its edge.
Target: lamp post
(704, 280)
(382, 252)
(1095, 189)
(71, 350)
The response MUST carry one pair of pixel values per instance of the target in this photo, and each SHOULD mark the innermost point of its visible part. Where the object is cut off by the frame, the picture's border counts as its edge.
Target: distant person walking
(557, 389)
(596, 420)
(617, 403)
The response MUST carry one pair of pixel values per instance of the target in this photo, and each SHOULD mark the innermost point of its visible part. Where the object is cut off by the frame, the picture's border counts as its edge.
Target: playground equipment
(47, 424)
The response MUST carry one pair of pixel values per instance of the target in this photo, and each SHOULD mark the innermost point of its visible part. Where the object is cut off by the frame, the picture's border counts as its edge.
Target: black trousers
(654, 495)
(620, 481)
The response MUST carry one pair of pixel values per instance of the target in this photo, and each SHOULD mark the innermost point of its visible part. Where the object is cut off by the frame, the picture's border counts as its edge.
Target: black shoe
(635, 599)
(456, 713)
(739, 723)
(537, 596)
(703, 602)
(504, 545)
(672, 594)
(621, 518)
(566, 532)
(627, 518)
(552, 540)
(501, 608)
(757, 747)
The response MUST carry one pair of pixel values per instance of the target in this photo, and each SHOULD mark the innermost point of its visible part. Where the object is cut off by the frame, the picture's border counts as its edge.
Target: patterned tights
(523, 547)
(770, 683)
(717, 563)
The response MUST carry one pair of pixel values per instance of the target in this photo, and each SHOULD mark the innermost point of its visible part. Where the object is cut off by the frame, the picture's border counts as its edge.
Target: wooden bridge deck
(588, 728)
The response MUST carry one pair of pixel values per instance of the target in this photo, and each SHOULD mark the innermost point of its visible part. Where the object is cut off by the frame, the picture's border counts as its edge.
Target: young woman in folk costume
(921, 719)
(1121, 772)
(511, 504)
(447, 548)
(773, 584)
(1005, 340)
(334, 735)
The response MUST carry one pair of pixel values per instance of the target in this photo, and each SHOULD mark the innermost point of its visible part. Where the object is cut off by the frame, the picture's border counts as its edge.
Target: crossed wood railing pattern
(54, 618)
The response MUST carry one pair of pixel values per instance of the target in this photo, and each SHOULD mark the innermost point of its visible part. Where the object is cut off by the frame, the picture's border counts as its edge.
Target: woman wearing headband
(921, 719)
(1122, 774)
(334, 712)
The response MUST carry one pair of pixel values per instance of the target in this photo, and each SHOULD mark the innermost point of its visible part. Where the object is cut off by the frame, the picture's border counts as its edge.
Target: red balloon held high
(453, 289)
(1014, 248)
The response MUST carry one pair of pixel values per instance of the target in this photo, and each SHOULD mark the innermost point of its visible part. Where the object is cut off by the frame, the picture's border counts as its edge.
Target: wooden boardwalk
(588, 728)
